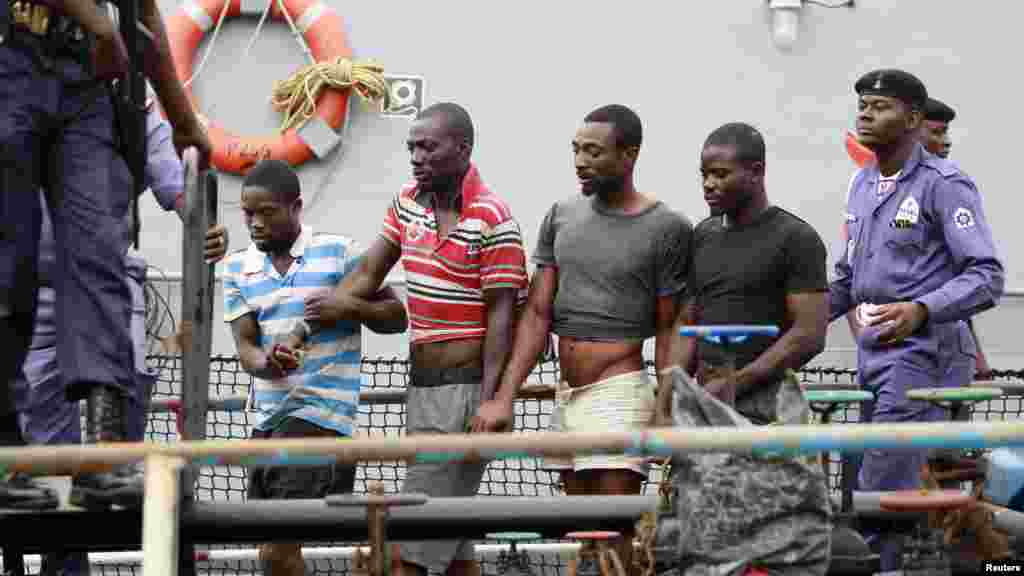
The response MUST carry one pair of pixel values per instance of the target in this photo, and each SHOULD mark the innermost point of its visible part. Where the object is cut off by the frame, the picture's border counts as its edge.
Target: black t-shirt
(741, 275)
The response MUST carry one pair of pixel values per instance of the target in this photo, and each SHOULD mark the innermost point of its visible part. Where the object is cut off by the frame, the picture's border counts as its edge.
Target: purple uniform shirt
(165, 175)
(925, 240)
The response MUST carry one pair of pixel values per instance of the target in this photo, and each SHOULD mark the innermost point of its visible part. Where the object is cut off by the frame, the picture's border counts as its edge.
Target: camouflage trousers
(730, 512)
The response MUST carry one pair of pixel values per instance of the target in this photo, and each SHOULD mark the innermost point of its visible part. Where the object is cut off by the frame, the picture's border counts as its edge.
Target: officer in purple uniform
(45, 415)
(58, 59)
(920, 260)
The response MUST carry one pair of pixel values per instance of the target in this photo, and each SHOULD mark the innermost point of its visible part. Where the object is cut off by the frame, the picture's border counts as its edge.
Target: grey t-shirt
(612, 267)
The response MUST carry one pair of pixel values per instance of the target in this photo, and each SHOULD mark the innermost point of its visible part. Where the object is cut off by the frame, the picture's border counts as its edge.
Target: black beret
(938, 111)
(895, 84)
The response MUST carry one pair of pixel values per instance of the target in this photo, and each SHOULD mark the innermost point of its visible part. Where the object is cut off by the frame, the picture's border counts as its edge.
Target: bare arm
(984, 370)
(358, 298)
(531, 333)
(385, 313)
(807, 313)
(666, 337)
(685, 355)
(688, 346)
(90, 16)
(165, 79)
(368, 277)
(501, 310)
(254, 360)
(667, 351)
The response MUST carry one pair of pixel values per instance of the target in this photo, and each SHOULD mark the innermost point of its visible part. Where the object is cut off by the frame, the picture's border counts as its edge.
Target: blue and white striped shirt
(325, 390)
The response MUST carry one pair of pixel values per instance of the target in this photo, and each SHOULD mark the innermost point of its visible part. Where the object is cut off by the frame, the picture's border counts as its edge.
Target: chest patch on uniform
(963, 218)
(907, 214)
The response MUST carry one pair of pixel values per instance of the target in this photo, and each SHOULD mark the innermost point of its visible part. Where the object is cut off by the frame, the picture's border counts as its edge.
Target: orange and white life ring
(859, 153)
(324, 33)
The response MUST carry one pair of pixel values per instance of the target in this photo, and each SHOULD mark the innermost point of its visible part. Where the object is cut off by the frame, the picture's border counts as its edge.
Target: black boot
(121, 486)
(19, 491)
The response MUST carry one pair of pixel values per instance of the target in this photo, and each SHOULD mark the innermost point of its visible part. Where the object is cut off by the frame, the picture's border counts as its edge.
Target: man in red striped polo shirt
(465, 268)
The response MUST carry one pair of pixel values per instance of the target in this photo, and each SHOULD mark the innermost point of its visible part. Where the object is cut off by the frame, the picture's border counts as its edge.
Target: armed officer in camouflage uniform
(58, 131)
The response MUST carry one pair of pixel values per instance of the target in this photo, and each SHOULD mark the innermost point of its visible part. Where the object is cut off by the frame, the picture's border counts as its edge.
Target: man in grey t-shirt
(610, 268)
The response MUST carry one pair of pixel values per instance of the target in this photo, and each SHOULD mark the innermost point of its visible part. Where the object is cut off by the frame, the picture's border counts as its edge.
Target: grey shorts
(299, 482)
(441, 409)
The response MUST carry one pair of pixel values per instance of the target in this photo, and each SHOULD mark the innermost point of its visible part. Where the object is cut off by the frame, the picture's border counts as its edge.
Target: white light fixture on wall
(785, 22)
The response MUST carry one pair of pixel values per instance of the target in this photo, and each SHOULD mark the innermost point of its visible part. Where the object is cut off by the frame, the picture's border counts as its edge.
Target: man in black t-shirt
(753, 263)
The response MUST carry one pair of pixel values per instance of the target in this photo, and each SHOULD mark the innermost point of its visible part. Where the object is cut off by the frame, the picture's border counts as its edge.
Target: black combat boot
(19, 491)
(123, 485)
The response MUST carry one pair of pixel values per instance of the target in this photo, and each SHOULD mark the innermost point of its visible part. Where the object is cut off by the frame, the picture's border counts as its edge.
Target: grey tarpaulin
(732, 511)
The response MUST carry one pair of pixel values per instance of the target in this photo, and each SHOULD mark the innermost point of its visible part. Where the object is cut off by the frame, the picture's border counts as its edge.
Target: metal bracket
(378, 563)
(196, 305)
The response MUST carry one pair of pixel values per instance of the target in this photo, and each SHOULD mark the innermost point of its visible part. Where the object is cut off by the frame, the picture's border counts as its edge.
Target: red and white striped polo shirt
(445, 280)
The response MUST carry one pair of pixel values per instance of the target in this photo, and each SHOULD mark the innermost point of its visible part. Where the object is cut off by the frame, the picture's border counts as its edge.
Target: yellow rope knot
(296, 97)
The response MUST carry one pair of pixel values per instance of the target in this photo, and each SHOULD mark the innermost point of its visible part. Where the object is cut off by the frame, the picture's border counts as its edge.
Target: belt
(422, 377)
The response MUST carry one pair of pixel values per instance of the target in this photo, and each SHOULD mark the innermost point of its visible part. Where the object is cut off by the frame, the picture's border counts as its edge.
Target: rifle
(130, 101)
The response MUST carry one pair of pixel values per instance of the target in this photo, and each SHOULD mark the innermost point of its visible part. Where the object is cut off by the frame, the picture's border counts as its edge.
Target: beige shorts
(620, 404)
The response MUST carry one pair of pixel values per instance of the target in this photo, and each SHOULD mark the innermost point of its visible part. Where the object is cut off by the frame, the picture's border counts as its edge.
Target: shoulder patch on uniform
(963, 218)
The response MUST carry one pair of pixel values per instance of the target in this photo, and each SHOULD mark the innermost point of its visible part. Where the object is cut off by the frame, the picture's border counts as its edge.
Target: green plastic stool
(514, 562)
(825, 403)
(954, 399)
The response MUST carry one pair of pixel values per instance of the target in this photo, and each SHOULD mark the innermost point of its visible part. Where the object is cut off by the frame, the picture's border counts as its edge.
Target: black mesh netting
(504, 477)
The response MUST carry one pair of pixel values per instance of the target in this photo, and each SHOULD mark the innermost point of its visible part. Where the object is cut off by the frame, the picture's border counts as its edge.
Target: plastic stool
(954, 399)
(948, 470)
(376, 502)
(930, 558)
(825, 403)
(924, 500)
(513, 562)
(596, 557)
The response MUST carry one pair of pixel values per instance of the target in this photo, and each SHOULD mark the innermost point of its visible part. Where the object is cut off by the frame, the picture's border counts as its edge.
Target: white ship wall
(529, 71)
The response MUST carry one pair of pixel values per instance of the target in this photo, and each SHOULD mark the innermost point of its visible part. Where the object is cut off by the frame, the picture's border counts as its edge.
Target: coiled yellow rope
(296, 97)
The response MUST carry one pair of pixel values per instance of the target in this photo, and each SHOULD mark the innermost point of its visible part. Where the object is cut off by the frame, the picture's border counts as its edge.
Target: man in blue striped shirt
(275, 289)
